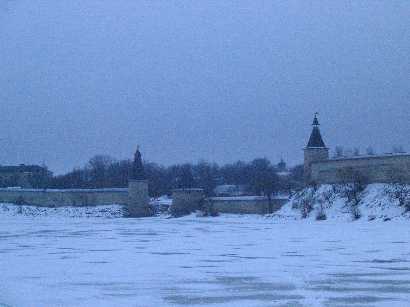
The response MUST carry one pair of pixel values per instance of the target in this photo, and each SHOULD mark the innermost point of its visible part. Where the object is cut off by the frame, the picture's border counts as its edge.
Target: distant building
(282, 169)
(24, 176)
(226, 190)
(281, 166)
(319, 168)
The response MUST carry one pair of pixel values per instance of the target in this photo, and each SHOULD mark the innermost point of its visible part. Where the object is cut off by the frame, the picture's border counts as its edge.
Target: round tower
(315, 150)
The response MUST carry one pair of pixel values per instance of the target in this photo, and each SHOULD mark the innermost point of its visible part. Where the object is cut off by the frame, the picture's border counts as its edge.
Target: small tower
(315, 150)
(138, 197)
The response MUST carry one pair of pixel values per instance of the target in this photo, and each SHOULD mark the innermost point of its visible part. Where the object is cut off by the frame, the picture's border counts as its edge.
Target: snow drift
(375, 201)
(112, 211)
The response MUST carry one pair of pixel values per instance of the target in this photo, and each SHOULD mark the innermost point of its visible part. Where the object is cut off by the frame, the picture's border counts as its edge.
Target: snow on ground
(92, 211)
(225, 261)
(375, 204)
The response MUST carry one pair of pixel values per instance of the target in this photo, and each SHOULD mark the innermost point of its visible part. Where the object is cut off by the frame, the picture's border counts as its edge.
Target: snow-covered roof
(246, 198)
(188, 190)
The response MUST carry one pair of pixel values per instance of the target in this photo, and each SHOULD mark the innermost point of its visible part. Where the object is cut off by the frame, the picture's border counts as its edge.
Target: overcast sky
(190, 80)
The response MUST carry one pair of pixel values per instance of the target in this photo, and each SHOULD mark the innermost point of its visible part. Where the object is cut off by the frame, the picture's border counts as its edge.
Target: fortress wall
(185, 201)
(377, 169)
(246, 205)
(94, 197)
(189, 200)
(69, 197)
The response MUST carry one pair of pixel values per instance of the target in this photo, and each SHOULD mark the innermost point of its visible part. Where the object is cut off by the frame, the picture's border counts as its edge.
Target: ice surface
(225, 261)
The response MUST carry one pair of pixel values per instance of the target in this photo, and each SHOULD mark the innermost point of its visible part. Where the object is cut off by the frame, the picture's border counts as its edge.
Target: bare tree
(398, 149)
(370, 151)
(305, 200)
(205, 175)
(325, 201)
(339, 152)
(321, 214)
(98, 167)
(264, 179)
(399, 189)
(348, 152)
(353, 183)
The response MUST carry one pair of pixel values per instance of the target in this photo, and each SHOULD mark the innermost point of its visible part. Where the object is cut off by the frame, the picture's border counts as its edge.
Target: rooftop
(21, 168)
(315, 139)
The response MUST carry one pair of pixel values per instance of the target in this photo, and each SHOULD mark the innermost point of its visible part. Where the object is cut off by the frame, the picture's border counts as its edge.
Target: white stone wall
(69, 197)
(246, 205)
(186, 200)
(375, 169)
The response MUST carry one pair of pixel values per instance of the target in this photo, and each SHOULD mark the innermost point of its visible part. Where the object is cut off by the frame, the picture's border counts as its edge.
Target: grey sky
(218, 80)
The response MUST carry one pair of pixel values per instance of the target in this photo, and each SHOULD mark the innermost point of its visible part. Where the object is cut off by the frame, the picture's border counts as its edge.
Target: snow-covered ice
(225, 261)
(108, 211)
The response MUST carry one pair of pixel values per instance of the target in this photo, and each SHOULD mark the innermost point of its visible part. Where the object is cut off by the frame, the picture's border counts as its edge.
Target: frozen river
(224, 261)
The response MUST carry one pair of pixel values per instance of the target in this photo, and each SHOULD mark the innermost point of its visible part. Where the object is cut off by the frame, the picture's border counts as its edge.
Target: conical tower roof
(315, 139)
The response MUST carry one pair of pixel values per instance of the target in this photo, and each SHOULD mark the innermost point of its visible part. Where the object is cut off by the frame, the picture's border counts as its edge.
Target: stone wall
(247, 204)
(69, 197)
(376, 169)
(94, 197)
(138, 199)
(185, 201)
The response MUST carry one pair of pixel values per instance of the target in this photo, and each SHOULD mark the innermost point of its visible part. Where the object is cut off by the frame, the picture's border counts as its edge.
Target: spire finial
(315, 120)
(137, 166)
(315, 140)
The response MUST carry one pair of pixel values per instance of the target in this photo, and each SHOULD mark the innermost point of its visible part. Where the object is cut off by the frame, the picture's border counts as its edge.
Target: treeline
(259, 177)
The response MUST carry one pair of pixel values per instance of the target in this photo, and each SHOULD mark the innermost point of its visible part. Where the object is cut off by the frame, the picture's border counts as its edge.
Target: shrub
(20, 201)
(352, 187)
(321, 215)
(400, 191)
(304, 201)
(355, 213)
(208, 209)
(181, 208)
(186, 202)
